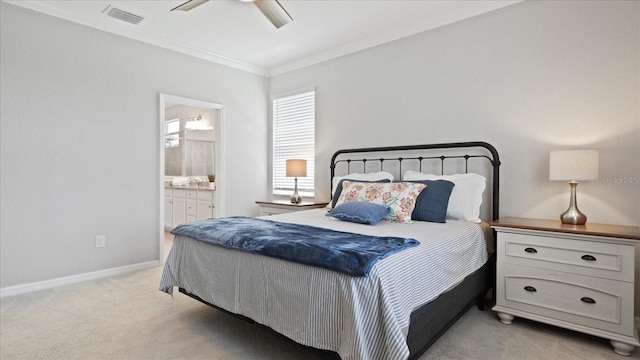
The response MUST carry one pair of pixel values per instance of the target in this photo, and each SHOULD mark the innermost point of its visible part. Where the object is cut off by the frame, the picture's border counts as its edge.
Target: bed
(405, 301)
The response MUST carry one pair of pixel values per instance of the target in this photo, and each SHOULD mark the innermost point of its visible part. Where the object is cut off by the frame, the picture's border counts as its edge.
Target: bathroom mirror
(189, 140)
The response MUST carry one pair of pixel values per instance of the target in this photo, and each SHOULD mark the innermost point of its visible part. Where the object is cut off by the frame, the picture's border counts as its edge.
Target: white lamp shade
(574, 165)
(296, 168)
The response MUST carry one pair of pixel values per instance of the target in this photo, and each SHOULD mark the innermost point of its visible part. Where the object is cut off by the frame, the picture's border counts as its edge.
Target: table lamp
(296, 168)
(573, 166)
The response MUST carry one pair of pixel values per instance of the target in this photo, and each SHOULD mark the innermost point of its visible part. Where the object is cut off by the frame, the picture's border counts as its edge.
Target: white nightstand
(580, 277)
(285, 206)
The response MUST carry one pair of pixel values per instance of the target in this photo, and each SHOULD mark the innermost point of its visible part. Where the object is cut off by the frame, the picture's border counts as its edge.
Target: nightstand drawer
(273, 211)
(599, 259)
(276, 207)
(582, 300)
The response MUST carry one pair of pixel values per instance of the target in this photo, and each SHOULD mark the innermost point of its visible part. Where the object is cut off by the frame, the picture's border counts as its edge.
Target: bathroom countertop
(211, 187)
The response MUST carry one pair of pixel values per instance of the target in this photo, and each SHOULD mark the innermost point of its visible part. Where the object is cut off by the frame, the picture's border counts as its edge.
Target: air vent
(123, 15)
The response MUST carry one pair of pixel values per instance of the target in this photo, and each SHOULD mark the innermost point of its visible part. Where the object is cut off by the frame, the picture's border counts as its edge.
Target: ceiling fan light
(189, 5)
(274, 12)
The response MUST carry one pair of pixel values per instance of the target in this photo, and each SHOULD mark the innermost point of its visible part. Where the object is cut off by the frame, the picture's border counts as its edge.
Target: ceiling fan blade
(189, 5)
(274, 11)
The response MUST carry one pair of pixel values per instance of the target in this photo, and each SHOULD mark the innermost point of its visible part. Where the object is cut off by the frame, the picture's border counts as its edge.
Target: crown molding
(481, 7)
(138, 34)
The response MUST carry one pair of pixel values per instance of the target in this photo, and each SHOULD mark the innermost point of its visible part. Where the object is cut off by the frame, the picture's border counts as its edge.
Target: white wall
(529, 78)
(80, 144)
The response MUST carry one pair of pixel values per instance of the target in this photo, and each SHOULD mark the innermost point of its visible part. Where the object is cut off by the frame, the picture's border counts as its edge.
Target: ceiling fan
(272, 9)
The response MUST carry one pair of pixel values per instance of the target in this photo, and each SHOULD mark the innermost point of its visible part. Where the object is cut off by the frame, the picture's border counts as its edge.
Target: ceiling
(236, 33)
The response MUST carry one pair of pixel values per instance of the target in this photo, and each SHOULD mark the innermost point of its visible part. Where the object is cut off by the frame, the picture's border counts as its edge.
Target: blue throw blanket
(352, 254)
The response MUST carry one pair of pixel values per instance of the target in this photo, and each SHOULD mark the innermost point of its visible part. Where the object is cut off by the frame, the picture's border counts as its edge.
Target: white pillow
(380, 175)
(466, 196)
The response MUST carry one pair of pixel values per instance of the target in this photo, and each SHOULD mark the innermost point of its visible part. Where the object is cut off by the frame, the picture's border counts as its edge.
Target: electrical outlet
(101, 241)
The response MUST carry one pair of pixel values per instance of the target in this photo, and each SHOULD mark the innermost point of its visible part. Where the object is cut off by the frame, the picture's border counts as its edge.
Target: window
(293, 138)
(172, 133)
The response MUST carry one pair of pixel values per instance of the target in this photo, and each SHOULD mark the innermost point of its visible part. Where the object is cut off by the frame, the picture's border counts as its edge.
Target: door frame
(219, 156)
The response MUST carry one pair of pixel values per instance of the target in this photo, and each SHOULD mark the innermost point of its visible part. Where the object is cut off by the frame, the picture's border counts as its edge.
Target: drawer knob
(588, 300)
(588, 257)
(530, 250)
(530, 288)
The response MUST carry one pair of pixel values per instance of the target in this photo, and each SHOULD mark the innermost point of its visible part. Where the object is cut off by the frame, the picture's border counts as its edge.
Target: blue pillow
(336, 194)
(359, 212)
(432, 203)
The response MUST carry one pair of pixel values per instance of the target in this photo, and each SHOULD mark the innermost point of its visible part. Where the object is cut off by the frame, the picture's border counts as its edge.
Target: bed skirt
(429, 321)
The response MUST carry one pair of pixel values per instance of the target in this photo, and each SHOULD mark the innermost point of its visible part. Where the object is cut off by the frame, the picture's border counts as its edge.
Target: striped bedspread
(357, 317)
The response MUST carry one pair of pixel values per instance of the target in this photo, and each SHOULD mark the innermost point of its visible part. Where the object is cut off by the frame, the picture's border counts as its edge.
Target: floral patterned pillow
(399, 197)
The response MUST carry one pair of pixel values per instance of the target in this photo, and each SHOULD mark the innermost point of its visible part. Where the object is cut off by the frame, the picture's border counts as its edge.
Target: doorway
(208, 118)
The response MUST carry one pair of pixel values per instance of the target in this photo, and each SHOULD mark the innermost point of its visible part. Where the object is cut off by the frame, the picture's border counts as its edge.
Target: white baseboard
(68, 280)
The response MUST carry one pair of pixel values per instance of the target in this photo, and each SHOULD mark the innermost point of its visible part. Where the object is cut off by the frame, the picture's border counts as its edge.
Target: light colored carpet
(126, 317)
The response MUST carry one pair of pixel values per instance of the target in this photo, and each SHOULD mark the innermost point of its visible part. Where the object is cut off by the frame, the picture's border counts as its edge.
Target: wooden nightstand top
(289, 205)
(617, 231)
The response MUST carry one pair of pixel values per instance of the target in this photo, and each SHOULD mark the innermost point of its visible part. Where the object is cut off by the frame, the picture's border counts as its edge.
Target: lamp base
(296, 198)
(573, 216)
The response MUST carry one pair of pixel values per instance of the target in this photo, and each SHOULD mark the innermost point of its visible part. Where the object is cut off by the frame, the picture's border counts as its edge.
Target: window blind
(293, 138)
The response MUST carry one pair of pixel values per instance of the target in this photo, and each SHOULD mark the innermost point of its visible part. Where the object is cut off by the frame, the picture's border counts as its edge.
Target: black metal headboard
(419, 153)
